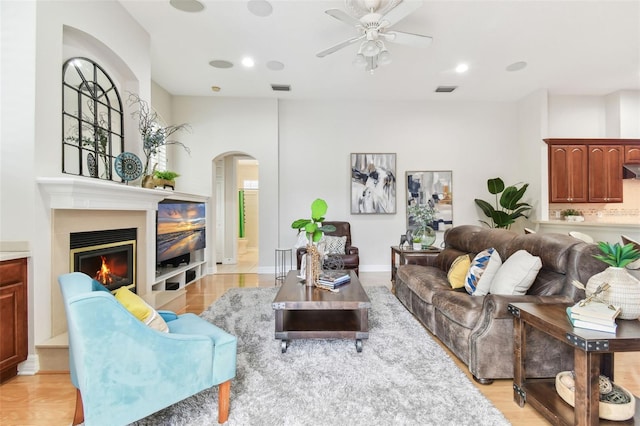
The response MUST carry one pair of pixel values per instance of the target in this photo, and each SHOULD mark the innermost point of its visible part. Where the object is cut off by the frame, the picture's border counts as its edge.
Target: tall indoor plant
(314, 229)
(508, 206)
(624, 289)
(154, 136)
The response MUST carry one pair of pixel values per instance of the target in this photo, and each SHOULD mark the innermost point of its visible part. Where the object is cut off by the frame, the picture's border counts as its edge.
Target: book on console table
(591, 324)
(334, 276)
(595, 310)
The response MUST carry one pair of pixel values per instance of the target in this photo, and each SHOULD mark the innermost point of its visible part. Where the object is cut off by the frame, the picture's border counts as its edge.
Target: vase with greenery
(624, 289)
(508, 205)
(154, 136)
(423, 216)
(314, 229)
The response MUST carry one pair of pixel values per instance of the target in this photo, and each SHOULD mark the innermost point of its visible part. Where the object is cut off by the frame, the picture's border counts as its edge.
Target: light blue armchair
(125, 371)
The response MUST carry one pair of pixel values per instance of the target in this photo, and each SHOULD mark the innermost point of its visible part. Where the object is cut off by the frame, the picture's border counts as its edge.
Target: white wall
(32, 58)
(475, 140)
(225, 126)
(577, 116)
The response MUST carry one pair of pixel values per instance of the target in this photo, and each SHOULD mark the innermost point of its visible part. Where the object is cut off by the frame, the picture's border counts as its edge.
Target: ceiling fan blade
(342, 16)
(340, 46)
(401, 11)
(400, 37)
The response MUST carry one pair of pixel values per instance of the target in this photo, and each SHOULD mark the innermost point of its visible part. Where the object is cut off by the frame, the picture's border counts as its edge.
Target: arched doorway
(236, 205)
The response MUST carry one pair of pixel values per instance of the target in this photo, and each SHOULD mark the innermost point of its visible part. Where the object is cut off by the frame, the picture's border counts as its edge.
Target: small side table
(283, 263)
(593, 355)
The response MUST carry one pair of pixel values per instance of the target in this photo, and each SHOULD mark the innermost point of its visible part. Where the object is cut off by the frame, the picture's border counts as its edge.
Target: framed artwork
(373, 183)
(433, 190)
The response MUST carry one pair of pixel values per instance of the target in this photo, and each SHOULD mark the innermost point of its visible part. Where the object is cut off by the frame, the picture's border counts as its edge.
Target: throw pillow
(334, 245)
(141, 309)
(516, 274)
(458, 271)
(481, 272)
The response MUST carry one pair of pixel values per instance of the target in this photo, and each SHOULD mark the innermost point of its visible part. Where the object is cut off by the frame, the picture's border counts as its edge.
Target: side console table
(593, 355)
(405, 253)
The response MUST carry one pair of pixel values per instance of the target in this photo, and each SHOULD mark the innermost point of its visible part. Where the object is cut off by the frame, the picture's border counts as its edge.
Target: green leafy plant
(154, 136)
(616, 255)
(570, 212)
(166, 174)
(507, 208)
(313, 227)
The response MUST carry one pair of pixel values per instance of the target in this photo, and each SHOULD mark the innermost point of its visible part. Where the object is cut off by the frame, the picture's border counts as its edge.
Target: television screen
(180, 229)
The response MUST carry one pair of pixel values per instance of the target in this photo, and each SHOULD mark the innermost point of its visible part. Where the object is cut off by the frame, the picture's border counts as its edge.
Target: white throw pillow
(482, 271)
(334, 245)
(516, 274)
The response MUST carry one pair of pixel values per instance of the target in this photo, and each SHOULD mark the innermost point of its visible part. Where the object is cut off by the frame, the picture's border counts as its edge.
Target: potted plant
(572, 215)
(507, 208)
(624, 289)
(154, 136)
(417, 242)
(423, 216)
(315, 230)
(163, 178)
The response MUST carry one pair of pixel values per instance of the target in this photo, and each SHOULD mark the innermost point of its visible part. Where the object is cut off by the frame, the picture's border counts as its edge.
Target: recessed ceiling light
(516, 66)
(187, 5)
(462, 68)
(260, 8)
(219, 63)
(248, 62)
(275, 65)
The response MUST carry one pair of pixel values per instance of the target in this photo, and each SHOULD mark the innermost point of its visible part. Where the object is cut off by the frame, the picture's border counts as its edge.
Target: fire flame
(104, 273)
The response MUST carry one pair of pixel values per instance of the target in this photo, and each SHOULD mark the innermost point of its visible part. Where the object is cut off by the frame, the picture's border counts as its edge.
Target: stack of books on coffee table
(594, 316)
(333, 279)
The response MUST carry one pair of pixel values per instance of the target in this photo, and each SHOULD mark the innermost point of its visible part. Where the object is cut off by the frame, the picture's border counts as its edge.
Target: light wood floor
(49, 399)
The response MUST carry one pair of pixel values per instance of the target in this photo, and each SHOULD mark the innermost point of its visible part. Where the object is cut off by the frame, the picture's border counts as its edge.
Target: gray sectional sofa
(479, 329)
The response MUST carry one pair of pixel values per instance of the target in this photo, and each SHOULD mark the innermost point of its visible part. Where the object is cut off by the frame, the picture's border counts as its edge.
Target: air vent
(446, 89)
(281, 87)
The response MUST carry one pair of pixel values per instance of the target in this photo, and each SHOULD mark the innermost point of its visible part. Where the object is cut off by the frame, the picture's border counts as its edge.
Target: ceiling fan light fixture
(384, 58)
(360, 60)
(370, 48)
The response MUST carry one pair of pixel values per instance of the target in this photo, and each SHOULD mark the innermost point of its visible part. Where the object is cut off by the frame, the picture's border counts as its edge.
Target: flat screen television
(180, 230)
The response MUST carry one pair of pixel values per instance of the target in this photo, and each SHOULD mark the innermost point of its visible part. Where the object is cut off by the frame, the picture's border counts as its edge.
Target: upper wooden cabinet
(605, 173)
(631, 154)
(589, 170)
(568, 173)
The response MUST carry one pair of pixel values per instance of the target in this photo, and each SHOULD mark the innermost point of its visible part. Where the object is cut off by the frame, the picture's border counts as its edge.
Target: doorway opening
(237, 192)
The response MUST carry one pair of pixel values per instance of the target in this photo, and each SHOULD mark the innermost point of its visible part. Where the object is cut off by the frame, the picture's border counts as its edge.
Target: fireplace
(107, 256)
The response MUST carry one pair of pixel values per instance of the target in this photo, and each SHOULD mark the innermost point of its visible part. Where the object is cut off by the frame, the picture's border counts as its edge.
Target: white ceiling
(571, 47)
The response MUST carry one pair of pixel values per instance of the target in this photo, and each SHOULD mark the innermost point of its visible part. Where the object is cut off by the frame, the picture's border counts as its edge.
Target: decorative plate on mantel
(128, 166)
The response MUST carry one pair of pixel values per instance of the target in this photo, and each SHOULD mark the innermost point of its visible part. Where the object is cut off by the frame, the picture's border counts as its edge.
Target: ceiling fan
(373, 20)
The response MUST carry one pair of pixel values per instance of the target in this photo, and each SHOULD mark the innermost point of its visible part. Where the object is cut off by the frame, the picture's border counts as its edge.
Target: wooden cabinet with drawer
(13, 316)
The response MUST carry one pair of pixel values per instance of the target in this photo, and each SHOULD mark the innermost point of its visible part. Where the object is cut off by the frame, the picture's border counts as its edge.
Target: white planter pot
(417, 246)
(624, 290)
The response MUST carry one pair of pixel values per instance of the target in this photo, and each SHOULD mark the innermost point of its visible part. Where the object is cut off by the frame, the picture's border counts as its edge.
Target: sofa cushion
(423, 281)
(459, 307)
(458, 271)
(516, 274)
(481, 272)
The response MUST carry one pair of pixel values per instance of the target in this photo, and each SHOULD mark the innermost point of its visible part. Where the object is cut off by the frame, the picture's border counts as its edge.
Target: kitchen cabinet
(568, 173)
(13, 316)
(632, 154)
(605, 173)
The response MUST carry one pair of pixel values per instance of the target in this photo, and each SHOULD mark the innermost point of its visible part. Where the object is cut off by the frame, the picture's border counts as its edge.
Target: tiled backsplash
(625, 212)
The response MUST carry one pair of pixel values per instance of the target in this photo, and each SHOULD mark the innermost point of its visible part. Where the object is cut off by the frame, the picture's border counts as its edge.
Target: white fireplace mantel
(94, 194)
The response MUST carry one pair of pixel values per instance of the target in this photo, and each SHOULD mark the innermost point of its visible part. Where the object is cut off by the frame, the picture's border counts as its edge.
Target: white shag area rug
(401, 377)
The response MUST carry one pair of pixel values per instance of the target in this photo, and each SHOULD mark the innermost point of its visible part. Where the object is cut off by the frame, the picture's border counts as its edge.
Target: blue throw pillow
(481, 272)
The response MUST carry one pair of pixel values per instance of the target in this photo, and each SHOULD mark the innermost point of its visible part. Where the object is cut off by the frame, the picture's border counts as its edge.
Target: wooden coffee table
(311, 313)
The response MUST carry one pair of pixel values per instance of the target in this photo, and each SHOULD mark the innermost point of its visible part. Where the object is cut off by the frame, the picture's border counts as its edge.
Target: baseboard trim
(29, 367)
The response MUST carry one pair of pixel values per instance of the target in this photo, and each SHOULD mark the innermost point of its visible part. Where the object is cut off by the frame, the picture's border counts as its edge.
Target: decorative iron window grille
(92, 120)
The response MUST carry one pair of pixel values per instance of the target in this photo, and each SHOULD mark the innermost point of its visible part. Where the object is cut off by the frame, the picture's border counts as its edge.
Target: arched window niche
(92, 120)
